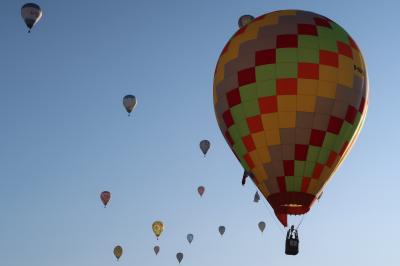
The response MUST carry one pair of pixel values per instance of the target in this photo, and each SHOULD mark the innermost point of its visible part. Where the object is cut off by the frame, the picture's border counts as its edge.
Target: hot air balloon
(256, 197)
(105, 197)
(201, 190)
(129, 103)
(189, 238)
(158, 228)
(246, 174)
(320, 195)
(31, 13)
(290, 97)
(205, 146)
(221, 230)
(118, 252)
(245, 20)
(156, 249)
(179, 256)
(261, 226)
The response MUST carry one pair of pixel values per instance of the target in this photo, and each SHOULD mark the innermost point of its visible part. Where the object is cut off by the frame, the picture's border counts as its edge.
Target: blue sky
(65, 137)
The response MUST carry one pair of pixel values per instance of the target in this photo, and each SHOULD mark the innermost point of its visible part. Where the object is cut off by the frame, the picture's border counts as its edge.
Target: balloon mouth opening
(290, 203)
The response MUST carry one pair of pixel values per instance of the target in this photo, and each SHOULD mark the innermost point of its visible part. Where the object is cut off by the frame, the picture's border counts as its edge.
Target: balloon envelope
(205, 146)
(201, 190)
(156, 249)
(261, 226)
(245, 20)
(256, 197)
(221, 230)
(158, 228)
(290, 98)
(179, 256)
(129, 103)
(31, 13)
(118, 252)
(189, 238)
(105, 197)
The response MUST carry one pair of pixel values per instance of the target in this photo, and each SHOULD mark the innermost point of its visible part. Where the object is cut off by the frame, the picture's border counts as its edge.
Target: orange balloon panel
(290, 97)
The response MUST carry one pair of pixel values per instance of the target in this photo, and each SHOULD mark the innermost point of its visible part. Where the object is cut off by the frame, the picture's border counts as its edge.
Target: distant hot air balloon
(201, 190)
(245, 20)
(156, 249)
(320, 195)
(179, 256)
(105, 197)
(189, 238)
(261, 226)
(246, 174)
(31, 13)
(205, 146)
(290, 97)
(256, 197)
(118, 252)
(158, 228)
(221, 230)
(129, 103)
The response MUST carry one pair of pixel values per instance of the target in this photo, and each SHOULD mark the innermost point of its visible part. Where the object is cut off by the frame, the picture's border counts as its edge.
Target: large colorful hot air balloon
(290, 97)
(158, 228)
(105, 197)
(118, 252)
(31, 13)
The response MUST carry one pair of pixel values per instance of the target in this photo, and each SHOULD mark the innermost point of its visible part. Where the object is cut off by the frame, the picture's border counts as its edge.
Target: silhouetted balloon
(256, 197)
(261, 226)
(179, 256)
(129, 103)
(245, 20)
(189, 238)
(31, 13)
(201, 190)
(156, 249)
(221, 230)
(205, 146)
(105, 197)
(118, 252)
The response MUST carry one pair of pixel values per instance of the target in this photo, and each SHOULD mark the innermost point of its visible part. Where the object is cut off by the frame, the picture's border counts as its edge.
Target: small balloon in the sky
(245, 20)
(201, 190)
(118, 252)
(189, 238)
(105, 197)
(320, 195)
(246, 174)
(129, 103)
(156, 249)
(31, 13)
(179, 256)
(261, 226)
(221, 230)
(205, 146)
(256, 197)
(158, 228)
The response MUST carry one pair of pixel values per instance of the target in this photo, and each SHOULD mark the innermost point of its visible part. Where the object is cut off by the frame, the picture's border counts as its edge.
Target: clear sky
(65, 137)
